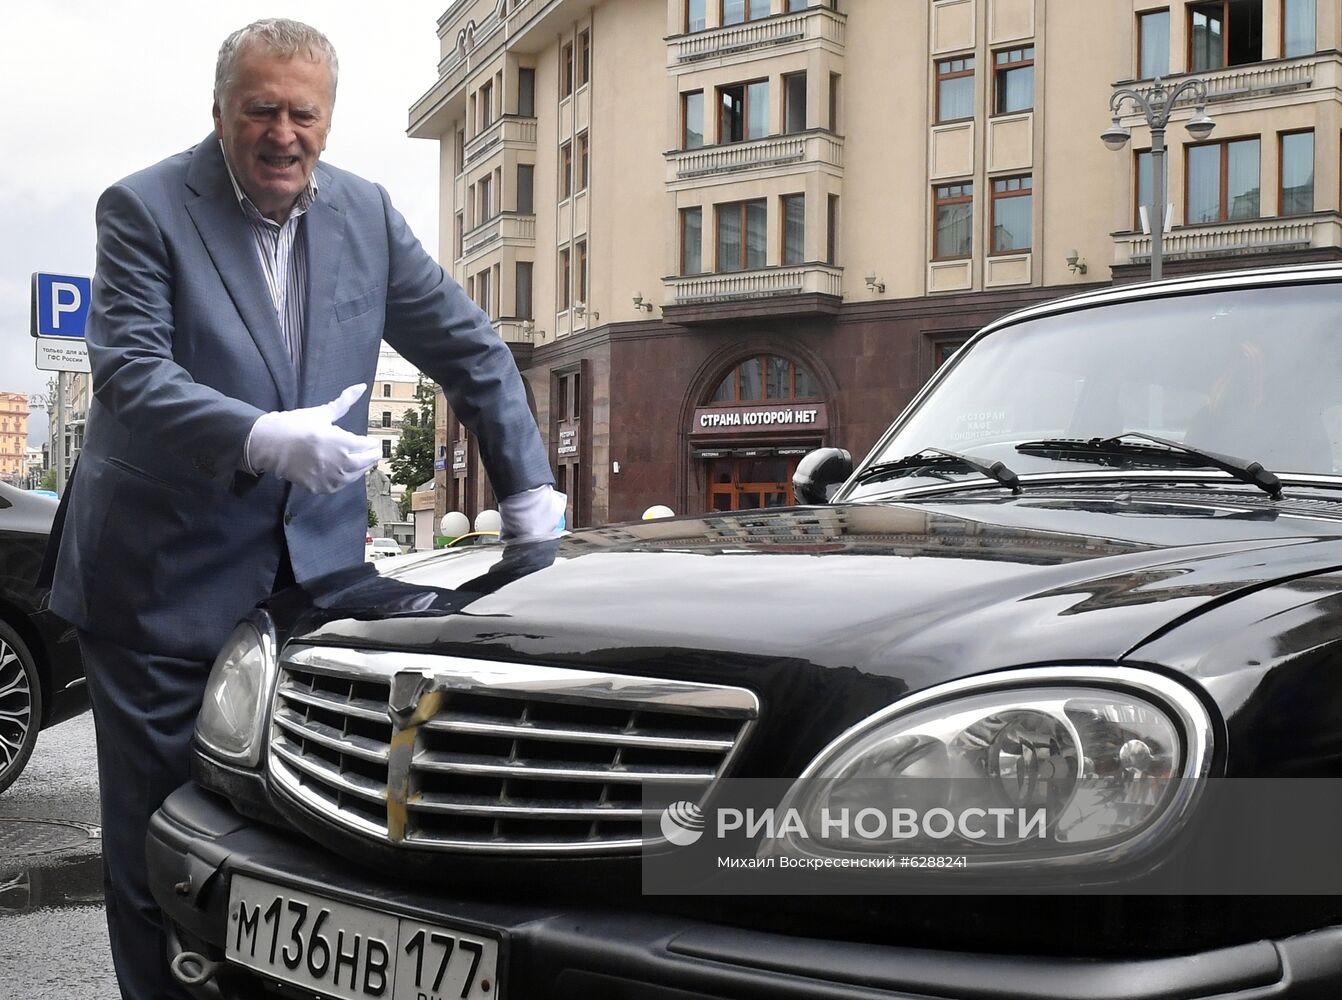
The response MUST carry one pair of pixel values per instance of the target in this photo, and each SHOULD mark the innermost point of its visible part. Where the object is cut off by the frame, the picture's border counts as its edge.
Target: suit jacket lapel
(219, 221)
(325, 236)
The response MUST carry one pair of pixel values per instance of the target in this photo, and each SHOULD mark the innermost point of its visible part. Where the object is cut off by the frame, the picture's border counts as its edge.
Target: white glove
(532, 516)
(306, 448)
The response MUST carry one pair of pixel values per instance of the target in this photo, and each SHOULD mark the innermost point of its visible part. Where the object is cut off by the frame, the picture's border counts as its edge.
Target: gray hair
(280, 36)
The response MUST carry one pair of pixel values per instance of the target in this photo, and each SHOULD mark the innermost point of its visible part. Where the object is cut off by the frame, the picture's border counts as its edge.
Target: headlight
(233, 713)
(1052, 766)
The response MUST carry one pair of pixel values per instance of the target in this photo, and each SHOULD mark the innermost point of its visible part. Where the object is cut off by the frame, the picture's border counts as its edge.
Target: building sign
(568, 443)
(458, 459)
(736, 421)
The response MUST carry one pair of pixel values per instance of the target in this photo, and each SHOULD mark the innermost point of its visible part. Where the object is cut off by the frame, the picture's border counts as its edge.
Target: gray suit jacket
(165, 544)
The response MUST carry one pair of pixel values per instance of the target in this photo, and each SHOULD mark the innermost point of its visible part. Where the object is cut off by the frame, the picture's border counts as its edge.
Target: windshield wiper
(940, 456)
(1245, 471)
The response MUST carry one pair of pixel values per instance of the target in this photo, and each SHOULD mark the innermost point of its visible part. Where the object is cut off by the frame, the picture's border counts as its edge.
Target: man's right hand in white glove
(306, 448)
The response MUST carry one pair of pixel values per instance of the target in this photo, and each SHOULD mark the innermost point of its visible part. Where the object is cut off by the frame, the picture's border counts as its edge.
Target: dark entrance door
(750, 483)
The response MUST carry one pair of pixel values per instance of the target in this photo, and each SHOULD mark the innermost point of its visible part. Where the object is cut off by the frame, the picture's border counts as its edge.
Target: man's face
(273, 123)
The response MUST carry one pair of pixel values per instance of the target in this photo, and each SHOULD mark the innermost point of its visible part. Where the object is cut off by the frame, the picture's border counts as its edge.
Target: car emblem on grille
(410, 704)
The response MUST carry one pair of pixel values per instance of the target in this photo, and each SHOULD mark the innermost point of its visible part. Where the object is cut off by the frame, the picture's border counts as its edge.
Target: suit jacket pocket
(147, 477)
(358, 305)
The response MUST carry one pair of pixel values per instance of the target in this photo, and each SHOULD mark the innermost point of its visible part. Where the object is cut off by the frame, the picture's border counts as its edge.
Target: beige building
(393, 396)
(717, 233)
(13, 436)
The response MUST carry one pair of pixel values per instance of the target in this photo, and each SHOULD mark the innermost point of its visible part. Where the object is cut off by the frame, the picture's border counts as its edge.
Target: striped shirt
(282, 250)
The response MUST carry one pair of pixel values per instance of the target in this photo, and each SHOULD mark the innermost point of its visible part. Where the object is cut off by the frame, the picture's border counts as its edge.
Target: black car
(41, 675)
(1095, 568)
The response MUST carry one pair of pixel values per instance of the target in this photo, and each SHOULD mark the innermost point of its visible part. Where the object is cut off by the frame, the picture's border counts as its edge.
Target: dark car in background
(41, 675)
(1098, 561)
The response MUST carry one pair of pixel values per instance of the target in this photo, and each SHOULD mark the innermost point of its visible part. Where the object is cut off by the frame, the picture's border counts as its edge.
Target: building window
(692, 116)
(1298, 21)
(696, 15)
(386, 418)
(793, 6)
(832, 231)
(564, 279)
(794, 228)
(1153, 44)
(459, 235)
(522, 298)
(738, 11)
(386, 447)
(1013, 211)
(486, 106)
(1222, 182)
(566, 70)
(953, 236)
(741, 235)
(461, 150)
(767, 377)
(584, 57)
(582, 162)
(581, 249)
(1296, 196)
(1144, 193)
(526, 92)
(743, 111)
(386, 389)
(565, 170)
(1014, 74)
(486, 198)
(955, 89)
(484, 290)
(834, 107)
(691, 240)
(526, 189)
(1224, 33)
(794, 102)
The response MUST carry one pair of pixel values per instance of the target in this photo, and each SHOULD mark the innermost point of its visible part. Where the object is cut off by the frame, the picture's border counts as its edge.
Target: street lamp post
(1156, 107)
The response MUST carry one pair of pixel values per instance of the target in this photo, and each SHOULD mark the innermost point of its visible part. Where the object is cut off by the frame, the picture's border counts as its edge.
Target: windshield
(1255, 373)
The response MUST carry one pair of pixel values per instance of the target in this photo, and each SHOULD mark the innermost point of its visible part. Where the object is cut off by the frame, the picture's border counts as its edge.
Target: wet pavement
(53, 938)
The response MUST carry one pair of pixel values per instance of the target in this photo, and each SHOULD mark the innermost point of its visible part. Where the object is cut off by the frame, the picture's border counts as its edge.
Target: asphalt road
(53, 937)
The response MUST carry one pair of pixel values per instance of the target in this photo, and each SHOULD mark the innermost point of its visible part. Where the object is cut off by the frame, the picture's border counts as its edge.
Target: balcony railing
(1252, 80)
(506, 226)
(515, 331)
(508, 129)
(1232, 239)
(774, 151)
(815, 24)
(763, 283)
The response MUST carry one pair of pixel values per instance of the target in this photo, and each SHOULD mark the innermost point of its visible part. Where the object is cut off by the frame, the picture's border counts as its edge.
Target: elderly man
(241, 287)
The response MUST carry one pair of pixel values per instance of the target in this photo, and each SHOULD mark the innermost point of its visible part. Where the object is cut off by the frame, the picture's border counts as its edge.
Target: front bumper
(197, 843)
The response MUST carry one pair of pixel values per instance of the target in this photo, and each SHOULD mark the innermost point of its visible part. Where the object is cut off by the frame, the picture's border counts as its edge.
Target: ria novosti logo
(682, 823)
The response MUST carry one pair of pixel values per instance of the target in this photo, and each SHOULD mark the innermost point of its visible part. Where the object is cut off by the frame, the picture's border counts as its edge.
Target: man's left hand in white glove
(532, 516)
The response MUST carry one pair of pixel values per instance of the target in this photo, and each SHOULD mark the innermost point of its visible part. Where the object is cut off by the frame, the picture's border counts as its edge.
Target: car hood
(919, 591)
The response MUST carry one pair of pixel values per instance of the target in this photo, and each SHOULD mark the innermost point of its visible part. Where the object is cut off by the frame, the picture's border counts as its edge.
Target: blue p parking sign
(60, 304)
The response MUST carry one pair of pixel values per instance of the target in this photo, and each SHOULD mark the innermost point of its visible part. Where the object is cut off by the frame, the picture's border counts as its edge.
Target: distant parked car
(473, 538)
(41, 674)
(384, 547)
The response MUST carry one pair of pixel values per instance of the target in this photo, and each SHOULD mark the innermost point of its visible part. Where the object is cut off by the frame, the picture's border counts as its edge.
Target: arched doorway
(763, 415)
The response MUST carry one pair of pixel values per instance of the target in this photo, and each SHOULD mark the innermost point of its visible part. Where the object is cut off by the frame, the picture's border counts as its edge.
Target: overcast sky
(96, 89)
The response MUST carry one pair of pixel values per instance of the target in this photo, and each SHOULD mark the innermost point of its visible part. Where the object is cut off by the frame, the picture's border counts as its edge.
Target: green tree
(48, 480)
(372, 515)
(412, 459)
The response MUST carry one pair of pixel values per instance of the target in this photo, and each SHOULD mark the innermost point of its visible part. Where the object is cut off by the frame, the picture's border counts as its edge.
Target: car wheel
(20, 705)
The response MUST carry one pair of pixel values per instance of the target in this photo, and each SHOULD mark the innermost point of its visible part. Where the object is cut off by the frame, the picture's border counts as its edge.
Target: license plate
(340, 950)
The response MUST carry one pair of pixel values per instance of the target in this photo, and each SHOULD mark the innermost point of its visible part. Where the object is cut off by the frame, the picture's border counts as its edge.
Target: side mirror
(819, 473)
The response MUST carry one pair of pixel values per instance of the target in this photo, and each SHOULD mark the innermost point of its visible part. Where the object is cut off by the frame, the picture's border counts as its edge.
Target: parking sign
(60, 304)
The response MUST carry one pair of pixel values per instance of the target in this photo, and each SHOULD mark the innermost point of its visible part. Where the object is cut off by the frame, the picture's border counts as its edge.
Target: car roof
(1192, 284)
(24, 511)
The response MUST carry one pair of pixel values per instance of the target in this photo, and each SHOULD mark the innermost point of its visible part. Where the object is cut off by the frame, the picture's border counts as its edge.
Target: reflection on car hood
(890, 589)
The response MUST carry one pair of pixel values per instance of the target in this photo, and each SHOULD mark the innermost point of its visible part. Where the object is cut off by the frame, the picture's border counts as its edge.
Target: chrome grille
(439, 752)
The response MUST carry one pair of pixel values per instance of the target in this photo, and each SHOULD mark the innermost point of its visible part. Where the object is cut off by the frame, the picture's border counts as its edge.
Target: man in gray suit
(240, 288)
